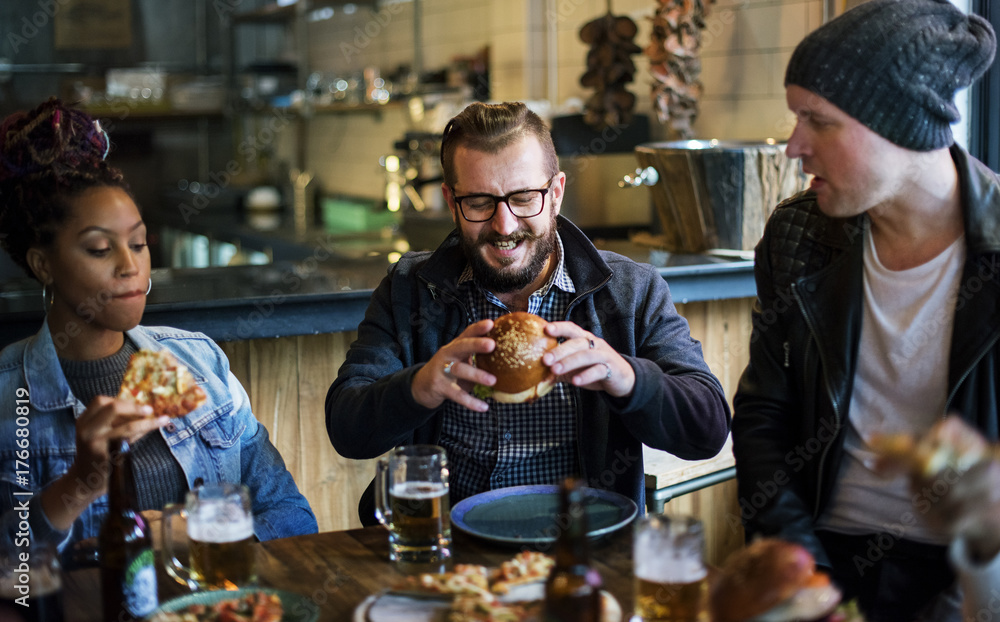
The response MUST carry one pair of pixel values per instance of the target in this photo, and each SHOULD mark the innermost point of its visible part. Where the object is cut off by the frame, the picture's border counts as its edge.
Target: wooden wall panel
(723, 328)
(287, 379)
(274, 374)
(334, 483)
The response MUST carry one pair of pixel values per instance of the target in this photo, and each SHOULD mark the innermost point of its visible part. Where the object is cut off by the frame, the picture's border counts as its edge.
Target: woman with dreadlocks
(72, 224)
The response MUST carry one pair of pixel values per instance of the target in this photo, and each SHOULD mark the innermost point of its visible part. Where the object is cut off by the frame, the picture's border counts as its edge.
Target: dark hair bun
(47, 156)
(52, 140)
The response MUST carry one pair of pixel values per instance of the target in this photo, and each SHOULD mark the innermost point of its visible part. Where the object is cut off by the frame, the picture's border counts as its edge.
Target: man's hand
(971, 506)
(587, 361)
(450, 375)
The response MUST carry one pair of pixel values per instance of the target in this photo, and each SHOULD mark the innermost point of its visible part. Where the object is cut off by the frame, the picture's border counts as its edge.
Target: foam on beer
(219, 522)
(418, 490)
(682, 564)
(671, 570)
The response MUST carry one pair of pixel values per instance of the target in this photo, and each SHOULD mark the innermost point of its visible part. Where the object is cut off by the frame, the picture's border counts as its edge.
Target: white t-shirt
(900, 386)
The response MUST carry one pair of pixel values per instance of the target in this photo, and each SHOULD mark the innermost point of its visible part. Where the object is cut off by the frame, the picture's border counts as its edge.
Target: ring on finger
(447, 367)
(607, 376)
(590, 343)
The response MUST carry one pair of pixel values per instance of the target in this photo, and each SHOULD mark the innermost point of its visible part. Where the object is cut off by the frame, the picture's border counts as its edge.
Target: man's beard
(506, 280)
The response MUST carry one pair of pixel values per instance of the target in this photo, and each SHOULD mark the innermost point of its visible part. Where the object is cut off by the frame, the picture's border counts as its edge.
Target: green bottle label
(139, 590)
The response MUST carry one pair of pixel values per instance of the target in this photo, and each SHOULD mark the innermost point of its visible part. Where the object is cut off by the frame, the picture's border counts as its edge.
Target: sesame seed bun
(517, 359)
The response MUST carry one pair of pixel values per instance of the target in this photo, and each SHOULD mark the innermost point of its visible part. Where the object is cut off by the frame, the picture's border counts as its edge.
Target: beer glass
(30, 583)
(219, 538)
(671, 579)
(411, 500)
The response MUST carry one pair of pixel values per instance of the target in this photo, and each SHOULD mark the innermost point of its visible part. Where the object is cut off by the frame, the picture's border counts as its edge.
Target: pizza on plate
(253, 607)
(156, 378)
(525, 567)
(464, 579)
(477, 591)
(477, 608)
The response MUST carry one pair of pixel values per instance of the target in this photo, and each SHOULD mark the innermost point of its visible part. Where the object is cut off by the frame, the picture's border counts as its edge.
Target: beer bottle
(128, 566)
(573, 589)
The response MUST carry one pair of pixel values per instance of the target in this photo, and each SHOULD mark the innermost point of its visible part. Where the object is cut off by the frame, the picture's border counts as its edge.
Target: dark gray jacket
(792, 401)
(677, 404)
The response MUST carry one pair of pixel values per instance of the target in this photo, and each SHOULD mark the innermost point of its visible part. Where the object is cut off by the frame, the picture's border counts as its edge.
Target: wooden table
(337, 570)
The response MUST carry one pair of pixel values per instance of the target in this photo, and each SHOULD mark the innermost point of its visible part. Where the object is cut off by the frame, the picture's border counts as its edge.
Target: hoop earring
(150, 287)
(47, 298)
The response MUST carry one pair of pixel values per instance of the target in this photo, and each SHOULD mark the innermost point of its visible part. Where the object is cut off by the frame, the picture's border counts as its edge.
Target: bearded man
(627, 370)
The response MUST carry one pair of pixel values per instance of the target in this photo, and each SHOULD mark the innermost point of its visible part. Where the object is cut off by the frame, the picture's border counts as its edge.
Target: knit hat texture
(894, 65)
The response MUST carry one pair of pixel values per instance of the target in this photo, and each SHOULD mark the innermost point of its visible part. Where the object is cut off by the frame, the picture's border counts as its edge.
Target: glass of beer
(411, 500)
(30, 582)
(671, 579)
(221, 553)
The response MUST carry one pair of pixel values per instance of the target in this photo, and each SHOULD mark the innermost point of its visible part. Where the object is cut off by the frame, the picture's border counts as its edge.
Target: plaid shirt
(513, 444)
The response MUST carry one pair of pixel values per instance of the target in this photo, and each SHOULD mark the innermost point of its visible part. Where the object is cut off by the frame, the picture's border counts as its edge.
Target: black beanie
(894, 65)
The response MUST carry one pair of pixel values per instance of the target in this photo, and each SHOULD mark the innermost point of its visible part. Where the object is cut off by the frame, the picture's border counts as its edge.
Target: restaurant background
(231, 116)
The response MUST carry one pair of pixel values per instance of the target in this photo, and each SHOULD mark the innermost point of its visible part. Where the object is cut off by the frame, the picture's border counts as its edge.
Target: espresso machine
(415, 169)
(413, 187)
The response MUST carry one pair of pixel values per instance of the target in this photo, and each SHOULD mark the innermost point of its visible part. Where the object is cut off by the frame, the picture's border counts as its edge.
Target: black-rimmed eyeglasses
(522, 203)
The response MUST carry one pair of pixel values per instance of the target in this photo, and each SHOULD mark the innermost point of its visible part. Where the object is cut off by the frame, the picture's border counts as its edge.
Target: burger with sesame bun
(517, 359)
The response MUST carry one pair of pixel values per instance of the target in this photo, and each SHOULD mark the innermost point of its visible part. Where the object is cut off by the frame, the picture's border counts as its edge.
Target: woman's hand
(106, 419)
(87, 478)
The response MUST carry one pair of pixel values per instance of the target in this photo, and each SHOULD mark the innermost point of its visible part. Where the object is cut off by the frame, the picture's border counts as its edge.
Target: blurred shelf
(324, 109)
(351, 108)
(270, 14)
(277, 14)
(151, 113)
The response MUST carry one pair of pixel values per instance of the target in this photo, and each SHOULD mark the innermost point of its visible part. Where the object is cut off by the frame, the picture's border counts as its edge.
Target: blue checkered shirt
(513, 444)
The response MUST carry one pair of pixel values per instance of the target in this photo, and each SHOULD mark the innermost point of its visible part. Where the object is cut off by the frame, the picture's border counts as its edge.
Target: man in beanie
(878, 312)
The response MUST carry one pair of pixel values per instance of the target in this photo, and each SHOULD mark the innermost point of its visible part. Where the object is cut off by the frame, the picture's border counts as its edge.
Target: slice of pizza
(525, 567)
(155, 378)
(465, 579)
(478, 608)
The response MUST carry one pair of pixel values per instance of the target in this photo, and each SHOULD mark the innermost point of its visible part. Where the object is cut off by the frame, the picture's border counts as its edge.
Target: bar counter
(328, 291)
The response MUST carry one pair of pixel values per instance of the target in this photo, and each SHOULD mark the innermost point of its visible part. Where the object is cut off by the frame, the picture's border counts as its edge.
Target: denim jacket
(221, 441)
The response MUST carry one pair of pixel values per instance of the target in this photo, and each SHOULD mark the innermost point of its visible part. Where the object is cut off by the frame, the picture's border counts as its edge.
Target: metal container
(717, 194)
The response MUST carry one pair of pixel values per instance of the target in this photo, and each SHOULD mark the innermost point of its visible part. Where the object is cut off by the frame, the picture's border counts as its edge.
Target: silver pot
(713, 194)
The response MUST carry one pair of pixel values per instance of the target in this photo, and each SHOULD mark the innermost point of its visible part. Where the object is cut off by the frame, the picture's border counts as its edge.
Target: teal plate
(297, 608)
(527, 514)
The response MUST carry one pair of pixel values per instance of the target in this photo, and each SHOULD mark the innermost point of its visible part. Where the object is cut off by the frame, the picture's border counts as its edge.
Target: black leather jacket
(792, 401)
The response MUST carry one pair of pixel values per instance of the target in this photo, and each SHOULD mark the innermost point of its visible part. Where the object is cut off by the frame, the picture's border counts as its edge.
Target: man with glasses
(628, 370)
